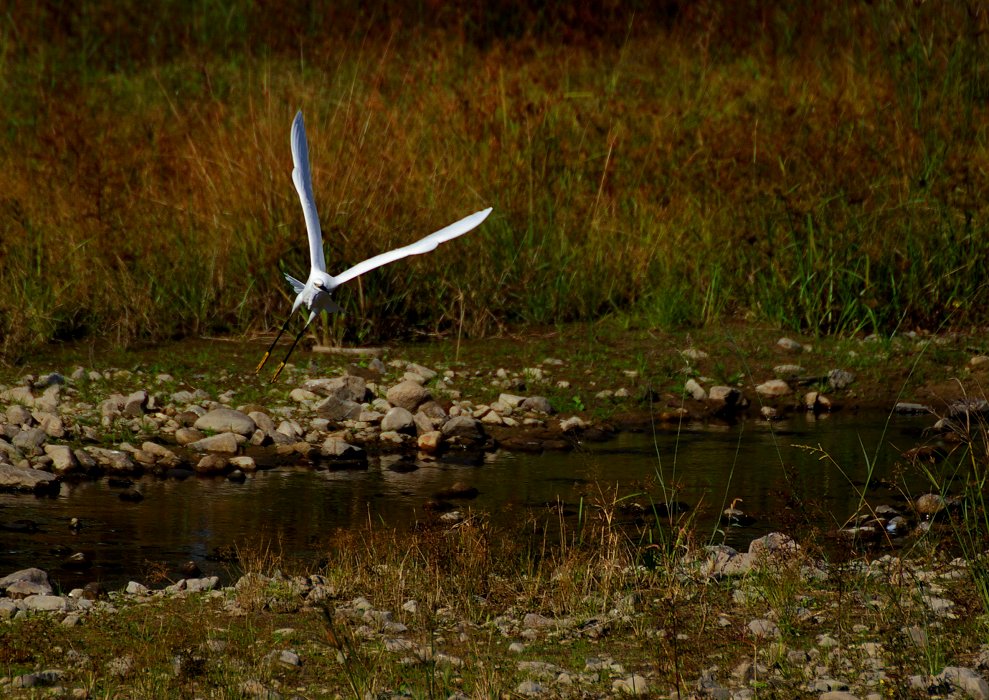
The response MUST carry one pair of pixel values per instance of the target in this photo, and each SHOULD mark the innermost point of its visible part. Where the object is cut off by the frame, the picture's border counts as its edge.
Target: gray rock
(45, 603)
(463, 429)
(529, 688)
(18, 415)
(52, 424)
(112, 460)
(226, 420)
(336, 409)
(408, 395)
(336, 448)
(968, 680)
(30, 441)
(18, 479)
(537, 404)
(727, 396)
(212, 464)
(187, 436)
(226, 443)
(346, 388)
(18, 394)
(399, 420)
(22, 589)
(263, 421)
(423, 372)
(135, 588)
(63, 461)
(774, 387)
(423, 423)
(631, 685)
(36, 577)
(162, 455)
(244, 463)
(837, 695)
(572, 423)
(10, 452)
(789, 345)
(774, 543)
(929, 504)
(694, 390)
(135, 403)
(840, 379)
(763, 628)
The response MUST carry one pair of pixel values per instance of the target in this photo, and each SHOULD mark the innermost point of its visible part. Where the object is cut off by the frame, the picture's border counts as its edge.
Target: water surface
(794, 470)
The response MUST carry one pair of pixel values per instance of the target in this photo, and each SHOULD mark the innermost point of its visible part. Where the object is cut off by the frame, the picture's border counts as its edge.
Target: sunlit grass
(825, 179)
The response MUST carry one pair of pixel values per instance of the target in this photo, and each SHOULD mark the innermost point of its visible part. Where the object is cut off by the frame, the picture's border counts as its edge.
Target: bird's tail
(296, 284)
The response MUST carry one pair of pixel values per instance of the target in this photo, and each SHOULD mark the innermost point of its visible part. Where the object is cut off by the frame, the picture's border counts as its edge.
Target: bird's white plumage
(421, 246)
(314, 294)
(302, 177)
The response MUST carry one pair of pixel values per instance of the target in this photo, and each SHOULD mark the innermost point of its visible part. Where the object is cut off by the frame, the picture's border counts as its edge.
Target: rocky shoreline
(831, 665)
(120, 424)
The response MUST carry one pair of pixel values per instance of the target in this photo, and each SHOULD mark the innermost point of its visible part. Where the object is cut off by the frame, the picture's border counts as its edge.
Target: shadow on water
(781, 482)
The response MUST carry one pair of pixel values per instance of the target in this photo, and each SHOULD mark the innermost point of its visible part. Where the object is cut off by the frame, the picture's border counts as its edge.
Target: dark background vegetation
(818, 166)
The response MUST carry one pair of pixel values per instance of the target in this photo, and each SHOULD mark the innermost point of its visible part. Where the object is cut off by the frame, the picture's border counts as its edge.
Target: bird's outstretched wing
(302, 177)
(421, 246)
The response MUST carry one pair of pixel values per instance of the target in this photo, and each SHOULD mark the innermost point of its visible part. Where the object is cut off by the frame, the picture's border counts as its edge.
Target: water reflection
(793, 468)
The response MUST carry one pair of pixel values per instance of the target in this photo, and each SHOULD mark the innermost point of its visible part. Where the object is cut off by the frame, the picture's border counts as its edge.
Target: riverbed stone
(116, 461)
(346, 387)
(19, 479)
(968, 680)
(244, 462)
(45, 603)
(398, 419)
(212, 464)
(29, 441)
(187, 436)
(302, 395)
(694, 390)
(33, 575)
(262, 421)
(63, 460)
(840, 379)
(161, 454)
(929, 504)
(430, 441)
(336, 409)
(773, 388)
(19, 415)
(463, 429)
(135, 403)
(226, 443)
(631, 685)
(537, 404)
(226, 420)
(408, 395)
(337, 448)
(52, 424)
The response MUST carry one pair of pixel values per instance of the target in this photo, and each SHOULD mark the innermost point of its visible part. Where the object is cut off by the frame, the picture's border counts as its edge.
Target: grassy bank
(820, 170)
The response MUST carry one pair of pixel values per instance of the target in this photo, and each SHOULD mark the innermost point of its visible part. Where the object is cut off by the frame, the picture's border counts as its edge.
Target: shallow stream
(798, 470)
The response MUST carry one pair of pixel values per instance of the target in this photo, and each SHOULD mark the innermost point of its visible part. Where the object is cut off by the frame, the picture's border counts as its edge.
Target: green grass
(820, 170)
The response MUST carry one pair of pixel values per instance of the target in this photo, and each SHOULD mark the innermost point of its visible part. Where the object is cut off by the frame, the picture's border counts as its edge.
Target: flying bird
(315, 293)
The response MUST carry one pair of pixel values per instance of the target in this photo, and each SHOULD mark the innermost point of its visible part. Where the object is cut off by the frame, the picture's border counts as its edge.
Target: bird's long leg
(267, 354)
(295, 342)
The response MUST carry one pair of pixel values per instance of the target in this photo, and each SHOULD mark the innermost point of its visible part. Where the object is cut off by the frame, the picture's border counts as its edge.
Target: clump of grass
(699, 162)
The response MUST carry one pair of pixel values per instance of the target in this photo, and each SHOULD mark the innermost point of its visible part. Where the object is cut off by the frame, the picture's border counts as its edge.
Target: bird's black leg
(267, 354)
(291, 348)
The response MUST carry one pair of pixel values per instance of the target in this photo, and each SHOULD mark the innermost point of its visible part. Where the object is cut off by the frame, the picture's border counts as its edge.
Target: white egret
(314, 295)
